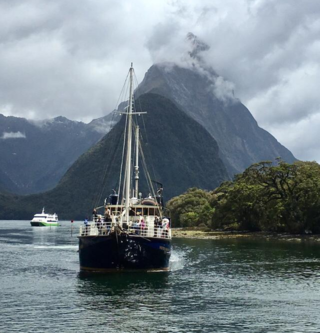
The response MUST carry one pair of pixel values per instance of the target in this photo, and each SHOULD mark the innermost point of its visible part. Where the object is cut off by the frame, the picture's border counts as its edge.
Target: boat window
(132, 212)
(151, 211)
(145, 211)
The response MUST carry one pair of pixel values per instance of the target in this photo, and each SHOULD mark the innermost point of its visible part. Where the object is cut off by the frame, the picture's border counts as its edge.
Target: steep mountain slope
(104, 124)
(6, 183)
(200, 95)
(34, 156)
(179, 151)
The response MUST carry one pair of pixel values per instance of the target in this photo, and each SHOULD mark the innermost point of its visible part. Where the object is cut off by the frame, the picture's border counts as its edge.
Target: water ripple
(212, 286)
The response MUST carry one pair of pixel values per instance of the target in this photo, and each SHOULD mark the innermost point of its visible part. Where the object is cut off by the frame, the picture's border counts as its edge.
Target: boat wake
(60, 247)
(177, 260)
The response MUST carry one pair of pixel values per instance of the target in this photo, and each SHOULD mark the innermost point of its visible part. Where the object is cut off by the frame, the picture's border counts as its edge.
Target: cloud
(293, 98)
(68, 59)
(71, 58)
(266, 51)
(302, 137)
(13, 135)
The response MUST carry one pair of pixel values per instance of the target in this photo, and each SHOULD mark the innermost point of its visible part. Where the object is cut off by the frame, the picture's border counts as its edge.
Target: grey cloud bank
(70, 58)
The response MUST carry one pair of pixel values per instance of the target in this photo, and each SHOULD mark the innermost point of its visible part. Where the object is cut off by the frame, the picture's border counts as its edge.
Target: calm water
(213, 286)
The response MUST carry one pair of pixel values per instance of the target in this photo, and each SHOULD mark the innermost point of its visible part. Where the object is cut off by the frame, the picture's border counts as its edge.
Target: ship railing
(143, 230)
(150, 231)
(96, 229)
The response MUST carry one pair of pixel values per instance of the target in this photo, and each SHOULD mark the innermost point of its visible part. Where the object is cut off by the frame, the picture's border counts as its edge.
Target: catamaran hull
(44, 224)
(123, 252)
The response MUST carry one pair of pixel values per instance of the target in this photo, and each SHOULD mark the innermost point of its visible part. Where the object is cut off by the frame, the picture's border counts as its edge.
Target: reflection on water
(126, 300)
(13, 236)
(121, 283)
(212, 286)
(125, 288)
(44, 235)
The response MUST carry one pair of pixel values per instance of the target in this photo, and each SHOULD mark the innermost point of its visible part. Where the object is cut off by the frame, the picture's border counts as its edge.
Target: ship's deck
(145, 229)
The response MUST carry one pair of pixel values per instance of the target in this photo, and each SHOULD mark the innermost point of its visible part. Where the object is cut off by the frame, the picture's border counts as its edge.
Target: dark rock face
(241, 141)
(6, 183)
(34, 156)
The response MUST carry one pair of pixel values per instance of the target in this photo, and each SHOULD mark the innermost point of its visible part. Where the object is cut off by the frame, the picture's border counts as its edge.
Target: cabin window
(114, 211)
(151, 211)
(145, 211)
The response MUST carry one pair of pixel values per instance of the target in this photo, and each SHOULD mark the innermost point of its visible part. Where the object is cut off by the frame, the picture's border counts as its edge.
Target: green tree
(282, 197)
(190, 209)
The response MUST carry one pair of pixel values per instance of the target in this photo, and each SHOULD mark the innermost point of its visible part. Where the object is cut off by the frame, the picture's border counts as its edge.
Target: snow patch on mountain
(13, 135)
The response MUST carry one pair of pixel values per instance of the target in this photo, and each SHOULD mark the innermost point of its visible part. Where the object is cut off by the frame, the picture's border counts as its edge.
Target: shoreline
(201, 234)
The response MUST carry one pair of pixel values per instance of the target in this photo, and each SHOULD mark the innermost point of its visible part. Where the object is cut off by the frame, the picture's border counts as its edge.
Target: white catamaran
(44, 220)
(131, 233)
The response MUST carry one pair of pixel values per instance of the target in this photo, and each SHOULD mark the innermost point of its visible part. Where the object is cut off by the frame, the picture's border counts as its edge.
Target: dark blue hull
(123, 252)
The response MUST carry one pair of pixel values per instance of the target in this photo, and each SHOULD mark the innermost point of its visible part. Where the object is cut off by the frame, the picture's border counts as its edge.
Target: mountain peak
(209, 99)
(63, 120)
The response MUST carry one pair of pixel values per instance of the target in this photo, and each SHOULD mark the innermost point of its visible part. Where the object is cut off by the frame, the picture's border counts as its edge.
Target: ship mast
(129, 146)
(136, 168)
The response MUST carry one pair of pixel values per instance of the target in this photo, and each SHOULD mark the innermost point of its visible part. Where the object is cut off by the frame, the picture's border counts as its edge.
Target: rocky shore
(202, 234)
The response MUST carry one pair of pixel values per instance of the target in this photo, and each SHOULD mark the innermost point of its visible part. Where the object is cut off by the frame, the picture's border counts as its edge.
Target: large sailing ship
(131, 232)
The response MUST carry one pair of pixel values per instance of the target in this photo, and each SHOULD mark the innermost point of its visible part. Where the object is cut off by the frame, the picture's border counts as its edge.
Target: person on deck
(136, 227)
(142, 226)
(165, 227)
(94, 213)
(156, 226)
(86, 226)
(107, 215)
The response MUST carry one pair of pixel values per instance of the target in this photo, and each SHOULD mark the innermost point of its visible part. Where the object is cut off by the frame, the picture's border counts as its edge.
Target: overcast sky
(71, 57)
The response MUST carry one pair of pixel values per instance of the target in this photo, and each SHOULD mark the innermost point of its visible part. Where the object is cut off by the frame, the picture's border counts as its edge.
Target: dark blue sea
(234, 285)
